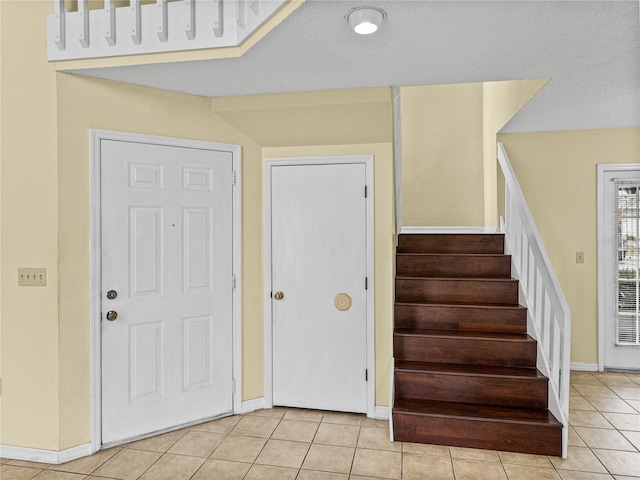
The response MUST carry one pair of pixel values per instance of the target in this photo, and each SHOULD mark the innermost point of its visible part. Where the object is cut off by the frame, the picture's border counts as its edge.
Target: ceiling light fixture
(365, 20)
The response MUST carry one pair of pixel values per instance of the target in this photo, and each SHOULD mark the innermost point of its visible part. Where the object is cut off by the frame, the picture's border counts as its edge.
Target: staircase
(465, 368)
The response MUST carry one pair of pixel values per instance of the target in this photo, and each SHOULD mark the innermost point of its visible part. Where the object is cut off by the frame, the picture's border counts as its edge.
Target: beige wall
(45, 220)
(557, 172)
(114, 106)
(442, 163)
(384, 230)
(500, 102)
(29, 216)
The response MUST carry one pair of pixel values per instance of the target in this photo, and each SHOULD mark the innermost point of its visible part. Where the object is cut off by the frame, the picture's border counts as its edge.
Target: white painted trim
(603, 169)
(397, 142)
(45, 456)
(96, 274)
(421, 230)
(381, 412)
(584, 367)
(252, 405)
(392, 396)
(269, 163)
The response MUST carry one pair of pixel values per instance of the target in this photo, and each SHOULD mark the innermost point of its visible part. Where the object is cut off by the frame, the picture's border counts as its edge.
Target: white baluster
(110, 11)
(190, 27)
(241, 13)
(162, 20)
(60, 24)
(218, 22)
(136, 23)
(254, 5)
(83, 32)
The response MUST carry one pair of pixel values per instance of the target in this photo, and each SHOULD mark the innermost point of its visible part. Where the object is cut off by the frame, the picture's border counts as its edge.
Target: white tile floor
(297, 444)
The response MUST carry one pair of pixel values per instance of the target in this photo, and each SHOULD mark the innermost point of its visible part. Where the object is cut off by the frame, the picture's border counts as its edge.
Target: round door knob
(112, 315)
(278, 296)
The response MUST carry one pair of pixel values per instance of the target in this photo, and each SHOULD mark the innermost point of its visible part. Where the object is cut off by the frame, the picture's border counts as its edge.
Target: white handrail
(549, 317)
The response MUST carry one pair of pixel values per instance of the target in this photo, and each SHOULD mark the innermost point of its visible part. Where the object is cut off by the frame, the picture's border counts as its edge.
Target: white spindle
(136, 22)
(190, 27)
(110, 15)
(163, 22)
(60, 30)
(254, 5)
(218, 22)
(83, 31)
(241, 13)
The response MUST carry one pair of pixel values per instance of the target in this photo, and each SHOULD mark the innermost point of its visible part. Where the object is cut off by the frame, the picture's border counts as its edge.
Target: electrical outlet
(579, 257)
(32, 277)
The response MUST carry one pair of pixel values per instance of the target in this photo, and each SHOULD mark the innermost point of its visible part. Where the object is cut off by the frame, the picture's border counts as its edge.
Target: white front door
(166, 226)
(620, 267)
(319, 302)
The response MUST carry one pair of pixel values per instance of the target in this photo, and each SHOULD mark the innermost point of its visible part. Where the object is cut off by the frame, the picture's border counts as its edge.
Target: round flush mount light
(365, 20)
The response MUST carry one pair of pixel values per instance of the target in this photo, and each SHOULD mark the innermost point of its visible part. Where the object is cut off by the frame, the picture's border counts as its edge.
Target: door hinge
(233, 282)
(366, 375)
(366, 283)
(366, 190)
(233, 177)
(233, 386)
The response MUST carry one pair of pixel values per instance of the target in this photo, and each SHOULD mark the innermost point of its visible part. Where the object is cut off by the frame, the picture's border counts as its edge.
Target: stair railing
(549, 317)
(153, 27)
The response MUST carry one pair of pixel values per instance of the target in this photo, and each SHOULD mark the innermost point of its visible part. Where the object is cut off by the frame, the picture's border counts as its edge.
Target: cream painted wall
(0, 228)
(500, 102)
(85, 103)
(29, 216)
(442, 162)
(384, 235)
(557, 172)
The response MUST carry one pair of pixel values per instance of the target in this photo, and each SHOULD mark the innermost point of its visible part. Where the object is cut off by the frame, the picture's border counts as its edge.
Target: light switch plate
(32, 277)
(579, 257)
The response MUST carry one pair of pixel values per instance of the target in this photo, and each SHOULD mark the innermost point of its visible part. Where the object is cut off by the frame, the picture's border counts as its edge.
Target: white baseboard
(381, 413)
(45, 456)
(421, 230)
(252, 405)
(584, 367)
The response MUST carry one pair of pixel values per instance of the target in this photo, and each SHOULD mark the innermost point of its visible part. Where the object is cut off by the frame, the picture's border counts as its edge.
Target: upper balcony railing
(152, 27)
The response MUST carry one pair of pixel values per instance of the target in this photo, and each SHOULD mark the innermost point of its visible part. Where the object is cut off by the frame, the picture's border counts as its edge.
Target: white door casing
(319, 246)
(168, 237)
(611, 355)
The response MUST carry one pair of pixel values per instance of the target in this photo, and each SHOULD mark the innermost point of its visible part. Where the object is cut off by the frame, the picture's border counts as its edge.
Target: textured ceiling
(589, 49)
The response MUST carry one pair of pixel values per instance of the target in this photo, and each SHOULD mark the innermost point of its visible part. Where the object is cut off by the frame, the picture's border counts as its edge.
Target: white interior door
(620, 283)
(319, 266)
(166, 228)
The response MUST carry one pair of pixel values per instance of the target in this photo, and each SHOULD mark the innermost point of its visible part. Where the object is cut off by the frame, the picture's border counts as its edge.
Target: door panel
(166, 250)
(319, 251)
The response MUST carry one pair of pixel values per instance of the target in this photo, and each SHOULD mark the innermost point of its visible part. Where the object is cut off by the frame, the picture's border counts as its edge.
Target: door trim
(602, 170)
(96, 136)
(367, 160)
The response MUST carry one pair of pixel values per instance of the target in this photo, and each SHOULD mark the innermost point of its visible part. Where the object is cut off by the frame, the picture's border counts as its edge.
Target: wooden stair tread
(453, 255)
(462, 305)
(502, 336)
(463, 243)
(465, 369)
(476, 411)
(459, 279)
